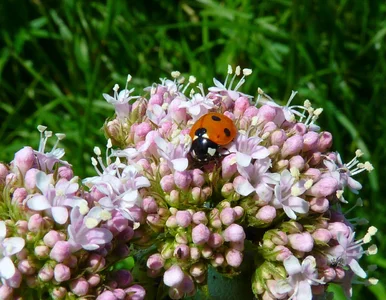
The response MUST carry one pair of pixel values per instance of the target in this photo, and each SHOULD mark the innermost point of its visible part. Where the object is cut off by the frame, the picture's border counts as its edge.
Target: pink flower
(200, 234)
(234, 233)
(301, 241)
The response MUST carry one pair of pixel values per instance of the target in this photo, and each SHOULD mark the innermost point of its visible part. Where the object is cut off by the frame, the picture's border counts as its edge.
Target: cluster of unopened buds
(188, 183)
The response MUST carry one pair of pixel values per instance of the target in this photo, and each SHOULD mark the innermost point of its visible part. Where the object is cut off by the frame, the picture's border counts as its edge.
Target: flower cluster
(55, 240)
(271, 199)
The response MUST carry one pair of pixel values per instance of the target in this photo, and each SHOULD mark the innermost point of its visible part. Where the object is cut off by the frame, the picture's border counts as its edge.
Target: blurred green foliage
(58, 57)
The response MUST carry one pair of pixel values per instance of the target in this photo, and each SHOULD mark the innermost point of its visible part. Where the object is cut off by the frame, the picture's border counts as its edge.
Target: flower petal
(13, 245)
(180, 164)
(60, 214)
(304, 290)
(38, 202)
(243, 159)
(357, 269)
(298, 204)
(292, 265)
(7, 268)
(243, 187)
(3, 230)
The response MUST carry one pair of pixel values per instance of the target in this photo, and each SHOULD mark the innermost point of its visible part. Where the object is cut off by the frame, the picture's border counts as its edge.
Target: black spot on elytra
(200, 132)
(227, 132)
(215, 118)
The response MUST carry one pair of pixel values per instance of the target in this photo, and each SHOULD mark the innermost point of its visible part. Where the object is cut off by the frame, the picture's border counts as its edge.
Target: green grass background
(58, 57)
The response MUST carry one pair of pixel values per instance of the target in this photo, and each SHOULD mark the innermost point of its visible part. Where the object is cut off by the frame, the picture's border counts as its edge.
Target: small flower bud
(24, 159)
(325, 141)
(26, 267)
(35, 223)
(310, 141)
(281, 252)
(233, 257)
(228, 166)
(266, 214)
(51, 238)
(234, 233)
(46, 273)
(93, 280)
(6, 292)
(336, 227)
(149, 205)
(96, 262)
(155, 261)
(297, 162)
(292, 146)
(319, 205)
(42, 252)
(19, 195)
(60, 251)
(324, 187)
(183, 218)
(123, 278)
(301, 241)
(278, 137)
(266, 113)
(322, 235)
(215, 240)
(182, 179)
(173, 276)
(167, 183)
(62, 273)
(200, 234)
(200, 218)
(15, 280)
(136, 292)
(227, 216)
(182, 251)
(198, 178)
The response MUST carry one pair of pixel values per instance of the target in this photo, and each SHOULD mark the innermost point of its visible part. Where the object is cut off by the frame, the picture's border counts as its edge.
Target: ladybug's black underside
(204, 149)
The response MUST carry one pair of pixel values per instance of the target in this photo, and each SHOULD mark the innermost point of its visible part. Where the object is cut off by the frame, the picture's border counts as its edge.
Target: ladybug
(208, 134)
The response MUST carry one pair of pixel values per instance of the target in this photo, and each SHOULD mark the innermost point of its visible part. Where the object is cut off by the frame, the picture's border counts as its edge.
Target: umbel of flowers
(275, 193)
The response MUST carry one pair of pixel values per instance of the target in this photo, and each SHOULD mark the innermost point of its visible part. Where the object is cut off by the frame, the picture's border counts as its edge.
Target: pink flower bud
(96, 262)
(266, 113)
(217, 260)
(42, 251)
(149, 205)
(281, 252)
(106, 295)
(322, 235)
(62, 273)
(136, 292)
(181, 251)
(250, 112)
(296, 162)
(195, 253)
(120, 294)
(93, 280)
(167, 183)
(301, 241)
(11, 179)
(315, 159)
(183, 218)
(313, 174)
(61, 251)
(269, 127)
(46, 273)
(340, 273)
(273, 150)
(310, 141)
(239, 211)
(292, 146)
(24, 159)
(22, 227)
(155, 261)
(200, 234)
(6, 292)
(123, 278)
(266, 214)
(241, 104)
(173, 276)
(227, 216)
(26, 267)
(141, 131)
(182, 179)
(65, 172)
(324, 187)
(300, 128)
(206, 252)
(200, 218)
(325, 141)
(171, 222)
(215, 240)
(51, 238)
(279, 238)
(234, 233)
(15, 280)
(35, 223)
(319, 205)
(198, 178)
(214, 218)
(19, 195)
(233, 257)
(278, 137)
(228, 166)
(337, 227)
